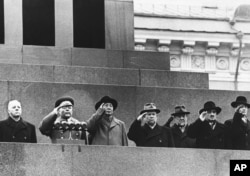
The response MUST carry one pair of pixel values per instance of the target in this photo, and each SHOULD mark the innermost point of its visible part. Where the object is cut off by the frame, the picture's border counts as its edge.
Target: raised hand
(203, 115)
(100, 110)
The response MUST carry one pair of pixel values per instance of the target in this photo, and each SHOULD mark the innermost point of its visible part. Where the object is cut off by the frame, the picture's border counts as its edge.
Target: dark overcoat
(147, 137)
(237, 133)
(21, 131)
(205, 136)
(181, 139)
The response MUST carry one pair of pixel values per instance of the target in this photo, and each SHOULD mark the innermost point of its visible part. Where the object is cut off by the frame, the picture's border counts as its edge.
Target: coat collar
(153, 132)
(176, 130)
(111, 124)
(20, 124)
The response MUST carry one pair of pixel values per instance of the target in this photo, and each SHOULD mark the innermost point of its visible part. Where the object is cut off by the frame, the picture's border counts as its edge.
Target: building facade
(199, 38)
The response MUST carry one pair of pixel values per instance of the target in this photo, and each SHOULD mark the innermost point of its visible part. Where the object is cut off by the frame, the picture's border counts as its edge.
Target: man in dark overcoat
(15, 128)
(238, 128)
(180, 127)
(146, 132)
(208, 132)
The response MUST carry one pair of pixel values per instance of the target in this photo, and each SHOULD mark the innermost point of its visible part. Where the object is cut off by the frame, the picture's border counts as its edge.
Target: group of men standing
(103, 128)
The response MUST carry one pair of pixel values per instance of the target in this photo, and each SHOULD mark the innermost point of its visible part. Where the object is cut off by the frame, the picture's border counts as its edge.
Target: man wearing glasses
(59, 124)
(179, 128)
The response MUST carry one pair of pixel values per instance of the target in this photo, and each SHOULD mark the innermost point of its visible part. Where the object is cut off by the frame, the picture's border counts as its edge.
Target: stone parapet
(78, 160)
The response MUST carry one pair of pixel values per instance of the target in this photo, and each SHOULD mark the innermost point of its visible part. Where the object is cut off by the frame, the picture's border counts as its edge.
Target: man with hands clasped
(208, 132)
(104, 127)
(145, 131)
(238, 128)
(59, 124)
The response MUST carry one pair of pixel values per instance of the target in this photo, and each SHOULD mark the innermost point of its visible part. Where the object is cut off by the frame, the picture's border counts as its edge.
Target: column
(13, 22)
(64, 23)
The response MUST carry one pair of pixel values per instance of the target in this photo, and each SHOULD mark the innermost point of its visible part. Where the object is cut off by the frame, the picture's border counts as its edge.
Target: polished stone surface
(146, 60)
(97, 57)
(96, 75)
(102, 76)
(46, 55)
(174, 79)
(11, 54)
(77, 160)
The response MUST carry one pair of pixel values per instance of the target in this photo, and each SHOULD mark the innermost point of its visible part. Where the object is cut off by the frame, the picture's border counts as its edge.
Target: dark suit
(206, 137)
(237, 133)
(147, 137)
(21, 131)
(181, 139)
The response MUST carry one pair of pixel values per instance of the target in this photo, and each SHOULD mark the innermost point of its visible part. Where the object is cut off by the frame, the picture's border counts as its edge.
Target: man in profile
(15, 128)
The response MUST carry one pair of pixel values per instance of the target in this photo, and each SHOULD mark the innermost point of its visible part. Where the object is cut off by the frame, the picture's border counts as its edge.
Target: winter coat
(181, 139)
(237, 133)
(205, 136)
(146, 137)
(103, 132)
(21, 131)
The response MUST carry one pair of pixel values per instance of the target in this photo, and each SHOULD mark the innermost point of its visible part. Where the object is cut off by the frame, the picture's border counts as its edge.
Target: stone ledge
(103, 76)
(48, 159)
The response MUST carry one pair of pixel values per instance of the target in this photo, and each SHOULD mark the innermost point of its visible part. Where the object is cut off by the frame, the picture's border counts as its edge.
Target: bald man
(14, 128)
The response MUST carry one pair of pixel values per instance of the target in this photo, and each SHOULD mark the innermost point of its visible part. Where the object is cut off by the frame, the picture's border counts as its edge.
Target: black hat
(60, 100)
(150, 107)
(106, 99)
(240, 100)
(210, 105)
(180, 110)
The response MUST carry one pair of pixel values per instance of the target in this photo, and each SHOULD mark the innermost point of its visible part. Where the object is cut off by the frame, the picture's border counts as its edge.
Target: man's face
(151, 118)
(212, 115)
(181, 120)
(65, 109)
(242, 109)
(14, 109)
(109, 109)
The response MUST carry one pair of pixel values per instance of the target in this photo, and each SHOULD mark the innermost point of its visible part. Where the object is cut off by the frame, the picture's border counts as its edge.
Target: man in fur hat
(238, 128)
(104, 127)
(145, 131)
(179, 129)
(59, 124)
(208, 132)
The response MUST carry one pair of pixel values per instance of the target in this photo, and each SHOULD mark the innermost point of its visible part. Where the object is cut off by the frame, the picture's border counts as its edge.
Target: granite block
(21, 72)
(78, 160)
(96, 75)
(146, 60)
(46, 55)
(97, 57)
(54, 160)
(10, 54)
(174, 79)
